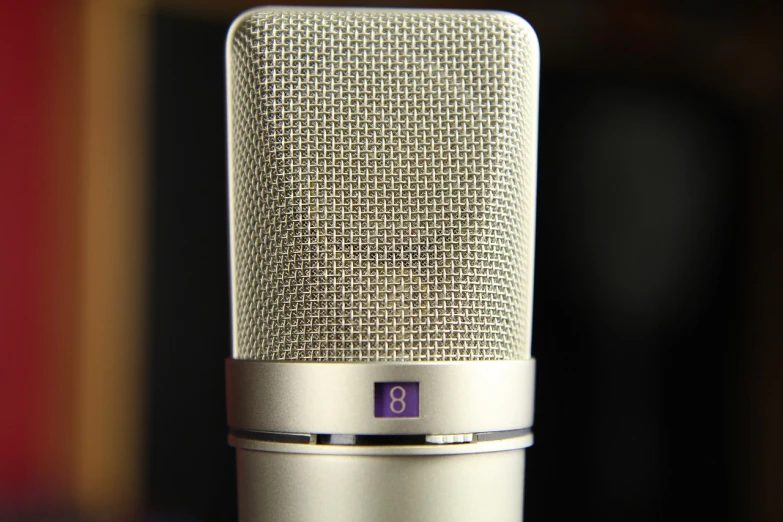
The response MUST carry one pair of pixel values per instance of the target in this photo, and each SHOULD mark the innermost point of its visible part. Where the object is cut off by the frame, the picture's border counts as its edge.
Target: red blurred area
(30, 475)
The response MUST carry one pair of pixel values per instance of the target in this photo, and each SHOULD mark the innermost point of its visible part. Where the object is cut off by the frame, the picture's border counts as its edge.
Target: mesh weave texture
(382, 184)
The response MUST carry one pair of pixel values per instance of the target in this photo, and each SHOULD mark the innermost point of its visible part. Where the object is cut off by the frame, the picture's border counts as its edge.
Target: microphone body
(382, 196)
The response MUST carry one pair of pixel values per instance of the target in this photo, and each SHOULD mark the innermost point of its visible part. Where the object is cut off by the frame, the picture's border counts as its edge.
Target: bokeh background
(658, 293)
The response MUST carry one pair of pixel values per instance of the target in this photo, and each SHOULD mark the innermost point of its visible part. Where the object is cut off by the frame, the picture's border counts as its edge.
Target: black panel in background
(637, 300)
(631, 422)
(190, 467)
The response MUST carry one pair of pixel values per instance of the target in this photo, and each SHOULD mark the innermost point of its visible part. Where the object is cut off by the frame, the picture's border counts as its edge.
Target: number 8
(397, 400)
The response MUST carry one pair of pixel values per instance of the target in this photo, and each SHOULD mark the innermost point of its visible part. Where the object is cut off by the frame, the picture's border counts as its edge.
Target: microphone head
(382, 184)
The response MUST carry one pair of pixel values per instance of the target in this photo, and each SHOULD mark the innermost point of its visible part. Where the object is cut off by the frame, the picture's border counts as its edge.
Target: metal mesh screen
(382, 184)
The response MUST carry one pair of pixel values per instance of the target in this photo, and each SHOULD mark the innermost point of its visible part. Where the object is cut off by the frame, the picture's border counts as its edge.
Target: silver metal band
(338, 398)
(290, 487)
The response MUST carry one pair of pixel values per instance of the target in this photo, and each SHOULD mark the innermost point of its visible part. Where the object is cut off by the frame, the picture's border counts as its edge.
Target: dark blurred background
(658, 290)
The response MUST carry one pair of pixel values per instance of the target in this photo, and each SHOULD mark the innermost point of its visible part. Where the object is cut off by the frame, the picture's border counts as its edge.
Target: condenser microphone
(382, 175)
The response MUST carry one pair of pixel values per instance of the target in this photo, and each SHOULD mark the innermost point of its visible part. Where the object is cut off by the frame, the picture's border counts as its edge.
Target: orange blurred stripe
(108, 444)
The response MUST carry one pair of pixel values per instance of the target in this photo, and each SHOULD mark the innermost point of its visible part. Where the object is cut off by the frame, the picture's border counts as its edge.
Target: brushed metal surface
(338, 397)
(280, 487)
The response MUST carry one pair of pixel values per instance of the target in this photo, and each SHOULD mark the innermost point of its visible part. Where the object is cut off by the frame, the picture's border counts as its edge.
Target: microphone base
(276, 486)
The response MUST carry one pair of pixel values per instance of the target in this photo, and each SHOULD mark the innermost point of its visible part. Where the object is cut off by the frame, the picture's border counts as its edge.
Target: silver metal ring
(334, 398)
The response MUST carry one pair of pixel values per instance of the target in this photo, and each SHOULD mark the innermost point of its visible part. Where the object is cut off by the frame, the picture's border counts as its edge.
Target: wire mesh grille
(383, 185)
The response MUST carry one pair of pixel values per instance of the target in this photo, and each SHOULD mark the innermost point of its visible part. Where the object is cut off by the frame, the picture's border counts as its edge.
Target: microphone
(382, 189)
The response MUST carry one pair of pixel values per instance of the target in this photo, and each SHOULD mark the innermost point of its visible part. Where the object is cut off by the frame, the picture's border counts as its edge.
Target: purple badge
(396, 399)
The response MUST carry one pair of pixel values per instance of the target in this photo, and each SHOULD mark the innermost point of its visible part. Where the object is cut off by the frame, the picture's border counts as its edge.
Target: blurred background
(659, 291)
